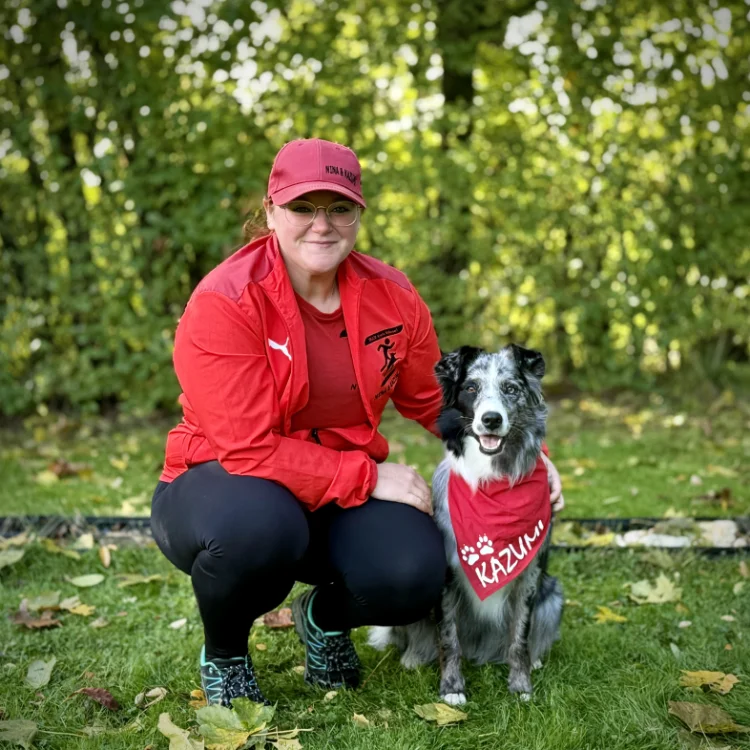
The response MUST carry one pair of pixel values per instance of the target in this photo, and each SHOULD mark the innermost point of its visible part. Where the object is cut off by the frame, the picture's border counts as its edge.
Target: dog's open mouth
(490, 444)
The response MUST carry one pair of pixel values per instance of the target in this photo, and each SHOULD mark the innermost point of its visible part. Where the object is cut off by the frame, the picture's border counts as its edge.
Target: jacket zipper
(314, 433)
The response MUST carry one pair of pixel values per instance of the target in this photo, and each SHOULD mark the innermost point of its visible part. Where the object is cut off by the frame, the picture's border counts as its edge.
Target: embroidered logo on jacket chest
(387, 347)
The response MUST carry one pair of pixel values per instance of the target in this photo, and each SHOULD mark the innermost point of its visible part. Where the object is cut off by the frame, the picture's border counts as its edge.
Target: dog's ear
(451, 370)
(529, 361)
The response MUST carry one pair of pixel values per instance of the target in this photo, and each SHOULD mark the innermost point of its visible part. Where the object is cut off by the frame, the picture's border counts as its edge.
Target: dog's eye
(510, 389)
(469, 388)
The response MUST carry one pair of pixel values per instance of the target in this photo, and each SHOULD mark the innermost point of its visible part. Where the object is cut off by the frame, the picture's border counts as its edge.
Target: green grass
(625, 459)
(603, 686)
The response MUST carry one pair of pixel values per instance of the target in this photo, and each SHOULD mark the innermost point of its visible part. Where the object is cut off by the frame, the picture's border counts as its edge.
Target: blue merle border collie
(493, 424)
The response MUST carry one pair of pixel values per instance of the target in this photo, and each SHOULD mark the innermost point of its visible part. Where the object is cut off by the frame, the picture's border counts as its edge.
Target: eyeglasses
(303, 213)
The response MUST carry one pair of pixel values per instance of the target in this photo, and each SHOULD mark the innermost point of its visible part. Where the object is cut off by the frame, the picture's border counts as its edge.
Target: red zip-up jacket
(241, 360)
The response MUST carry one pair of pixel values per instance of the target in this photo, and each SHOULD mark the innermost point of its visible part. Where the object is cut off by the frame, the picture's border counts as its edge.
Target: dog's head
(494, 399)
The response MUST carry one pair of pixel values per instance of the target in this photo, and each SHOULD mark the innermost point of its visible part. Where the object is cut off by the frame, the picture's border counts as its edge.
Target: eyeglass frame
(358, 213)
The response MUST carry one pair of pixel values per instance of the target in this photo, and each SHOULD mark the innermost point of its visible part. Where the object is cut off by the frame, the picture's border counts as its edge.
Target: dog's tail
(545, 620)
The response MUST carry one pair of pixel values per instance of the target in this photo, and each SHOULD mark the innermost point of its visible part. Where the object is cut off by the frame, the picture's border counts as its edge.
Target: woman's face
(318, 248)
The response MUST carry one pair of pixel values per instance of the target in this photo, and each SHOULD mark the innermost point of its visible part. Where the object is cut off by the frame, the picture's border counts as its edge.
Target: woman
(287, 353)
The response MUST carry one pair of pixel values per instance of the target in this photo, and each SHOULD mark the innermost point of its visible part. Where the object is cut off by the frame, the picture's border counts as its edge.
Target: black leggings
(244, 541)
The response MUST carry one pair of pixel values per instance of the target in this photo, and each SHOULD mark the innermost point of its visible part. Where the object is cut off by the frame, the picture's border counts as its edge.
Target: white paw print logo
(485, 545)
(469, 554)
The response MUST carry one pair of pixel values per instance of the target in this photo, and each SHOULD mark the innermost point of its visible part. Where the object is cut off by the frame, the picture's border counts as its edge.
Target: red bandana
(499, 529)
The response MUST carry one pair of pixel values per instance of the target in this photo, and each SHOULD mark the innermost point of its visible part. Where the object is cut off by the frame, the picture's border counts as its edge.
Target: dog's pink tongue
(489, 442)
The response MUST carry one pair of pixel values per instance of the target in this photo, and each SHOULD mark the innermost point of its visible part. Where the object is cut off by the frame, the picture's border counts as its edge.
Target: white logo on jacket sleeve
(281, 347)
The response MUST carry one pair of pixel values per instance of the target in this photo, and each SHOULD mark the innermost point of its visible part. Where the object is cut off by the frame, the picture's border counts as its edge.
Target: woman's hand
(555, 486)
(402, 484)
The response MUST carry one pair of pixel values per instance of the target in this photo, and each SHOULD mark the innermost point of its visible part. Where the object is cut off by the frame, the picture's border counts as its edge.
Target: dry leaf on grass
(714, 682)
(228, 729)
(699, 717)
(39, 672)
(18, 731)
(360, 720)
(132, 579)
(10, 556)
(286, 744)
(605, 614)
(279, 618)
(84, 543)
(177, 624)
(50, 545)
(105, 556)
(156, 694)
(179, 739)
(660, 592)
(22, 617)
(441, 713)
(100, 695)
(19, 540)
(100, 622)
(261, 647)
(87, 581)
(744, 569)
(330, 695)
(199, 699)
(45, 600)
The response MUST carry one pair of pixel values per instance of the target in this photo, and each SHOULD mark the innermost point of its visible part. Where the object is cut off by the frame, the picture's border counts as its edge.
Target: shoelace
(235, 681)
(338, 652)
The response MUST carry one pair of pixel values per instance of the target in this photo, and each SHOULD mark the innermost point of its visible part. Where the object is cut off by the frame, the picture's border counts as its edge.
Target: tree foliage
(571, 175)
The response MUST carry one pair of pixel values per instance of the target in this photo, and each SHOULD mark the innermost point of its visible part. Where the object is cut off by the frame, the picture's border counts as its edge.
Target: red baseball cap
(314, 164)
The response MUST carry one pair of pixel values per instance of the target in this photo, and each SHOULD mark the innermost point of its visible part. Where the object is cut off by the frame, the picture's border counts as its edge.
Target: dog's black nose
(492, 420)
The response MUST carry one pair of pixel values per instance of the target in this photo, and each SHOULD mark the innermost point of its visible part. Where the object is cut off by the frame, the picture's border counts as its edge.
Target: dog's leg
(519, 680)
(452, 685)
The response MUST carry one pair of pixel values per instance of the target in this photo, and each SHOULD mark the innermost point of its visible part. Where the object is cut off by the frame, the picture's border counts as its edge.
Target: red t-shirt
(335, 400)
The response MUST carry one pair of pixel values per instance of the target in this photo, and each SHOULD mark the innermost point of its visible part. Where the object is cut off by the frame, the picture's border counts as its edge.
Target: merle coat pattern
(493, 424)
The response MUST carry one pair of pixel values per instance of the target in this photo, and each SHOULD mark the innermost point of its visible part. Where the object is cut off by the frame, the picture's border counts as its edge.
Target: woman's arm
(220, 361)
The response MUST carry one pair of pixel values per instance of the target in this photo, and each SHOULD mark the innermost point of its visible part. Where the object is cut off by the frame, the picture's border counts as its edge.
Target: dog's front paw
(454, 699)
(520, 683)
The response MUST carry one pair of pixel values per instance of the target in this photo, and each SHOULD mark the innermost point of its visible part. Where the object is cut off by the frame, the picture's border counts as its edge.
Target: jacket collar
(279, 289)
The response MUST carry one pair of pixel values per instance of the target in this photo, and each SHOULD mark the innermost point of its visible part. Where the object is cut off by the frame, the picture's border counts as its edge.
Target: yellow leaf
(663, 590)
(703, 718)
(441, 713)
(87, 581)
(600, 540)
(714, 682)
(605, 615)
(360, 720)
(199, 699)
(105, 556)
(85, 610)
(47, 478)
(179, 739)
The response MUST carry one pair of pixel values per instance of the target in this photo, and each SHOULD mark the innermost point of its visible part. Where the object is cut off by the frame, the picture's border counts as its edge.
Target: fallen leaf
(699, 717)
(330, 695)
(50, 545)
(299, 669)
(728, 647)
(684, 624)
(39, 673)
(46, 600)
(199, 699)
(728, 618)
(360, 720)
(47, 478)
(663, 590)
(100, 695)
(179, 739)
(84, 610)
(737, 588)
(280, 618)
(19, 540)
(18, 731)
(22, 617)
(714, 682)
(675, 650)
(132, 579)
(100, 622)
(605, 614)
(84, 543)
(600, 540)
(228, 729)
(84, 582)
(62, 468)
(441, 713)
(10, 556)
(261, 646)
(156, 694)
(286, 744)
(744, 570)
(177, 624)
(105, 556)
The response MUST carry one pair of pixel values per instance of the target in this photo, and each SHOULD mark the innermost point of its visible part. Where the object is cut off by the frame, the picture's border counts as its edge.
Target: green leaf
(662, 591)
(441, 713)
(219, 716)
(132, 579)
(87, 581)
(254, 716)
(18, 731)
(40, 672)
(45, 600)
(10, 556)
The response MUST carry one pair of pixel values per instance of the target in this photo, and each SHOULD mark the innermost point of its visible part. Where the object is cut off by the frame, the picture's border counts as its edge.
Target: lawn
(603, 686)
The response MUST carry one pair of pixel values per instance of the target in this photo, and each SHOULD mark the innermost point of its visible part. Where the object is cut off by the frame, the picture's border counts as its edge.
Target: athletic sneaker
(330, 658)
(224, 679)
